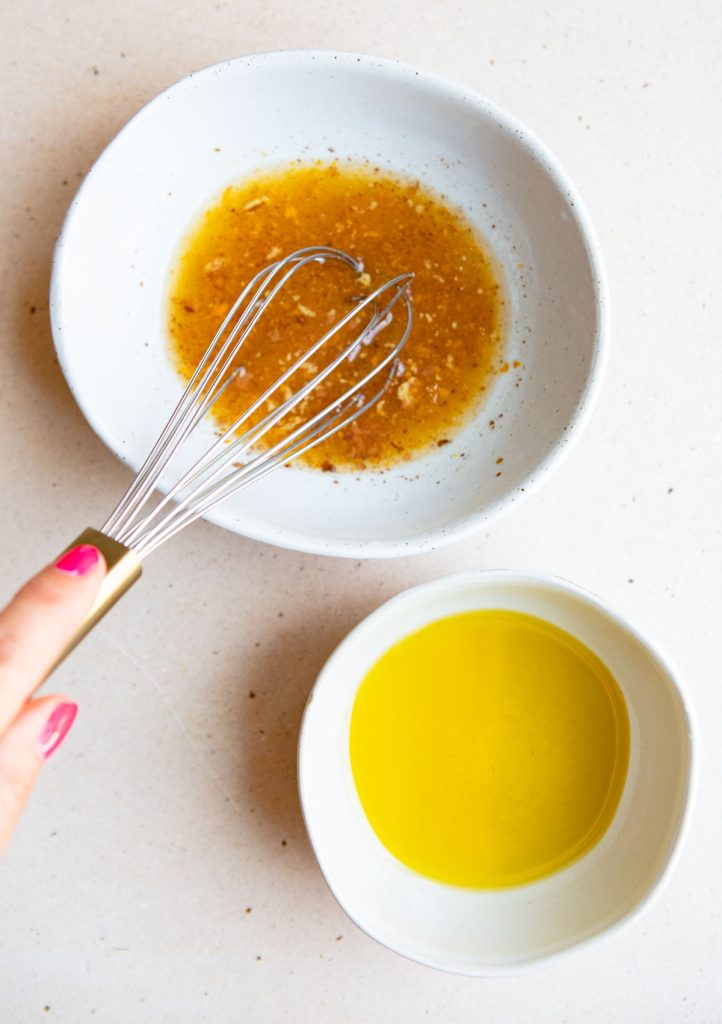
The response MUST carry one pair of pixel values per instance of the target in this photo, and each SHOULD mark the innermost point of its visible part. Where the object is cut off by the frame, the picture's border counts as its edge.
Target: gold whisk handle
(124, 568)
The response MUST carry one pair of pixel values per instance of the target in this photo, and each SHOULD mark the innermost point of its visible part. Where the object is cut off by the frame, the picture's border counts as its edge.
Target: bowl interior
(220, 125)
(487, 932)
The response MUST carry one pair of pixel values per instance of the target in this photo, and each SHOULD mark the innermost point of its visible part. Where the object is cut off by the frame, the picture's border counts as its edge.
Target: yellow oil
(489, 749)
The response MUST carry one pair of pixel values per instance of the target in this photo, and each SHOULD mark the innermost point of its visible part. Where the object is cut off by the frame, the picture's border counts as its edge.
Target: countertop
(162, 872)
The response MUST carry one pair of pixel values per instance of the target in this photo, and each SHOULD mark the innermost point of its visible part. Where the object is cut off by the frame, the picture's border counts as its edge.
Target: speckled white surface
(173, 806)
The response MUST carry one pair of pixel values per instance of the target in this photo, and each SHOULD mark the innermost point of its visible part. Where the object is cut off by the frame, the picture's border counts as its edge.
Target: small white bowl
(504, 931)
(218, 126)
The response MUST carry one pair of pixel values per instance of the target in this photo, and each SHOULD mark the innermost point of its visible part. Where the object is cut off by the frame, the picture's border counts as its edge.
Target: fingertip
(41, 726)
(27, 743)
(40, 621)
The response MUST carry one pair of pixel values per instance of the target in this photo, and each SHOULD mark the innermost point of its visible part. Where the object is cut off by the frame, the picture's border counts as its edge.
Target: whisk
(143, 520)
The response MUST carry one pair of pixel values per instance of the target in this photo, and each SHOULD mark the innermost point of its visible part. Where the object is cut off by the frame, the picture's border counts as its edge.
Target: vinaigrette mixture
(489, 749)
(394, 226)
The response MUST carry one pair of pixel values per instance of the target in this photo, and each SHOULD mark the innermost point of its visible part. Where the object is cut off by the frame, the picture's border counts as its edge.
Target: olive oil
(489, 749)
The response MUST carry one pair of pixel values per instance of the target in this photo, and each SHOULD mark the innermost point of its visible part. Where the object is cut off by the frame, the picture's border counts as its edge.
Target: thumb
(31, 738)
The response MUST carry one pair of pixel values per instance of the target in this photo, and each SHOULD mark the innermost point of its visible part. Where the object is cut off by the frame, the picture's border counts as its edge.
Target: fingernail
(56, 728)
(79, 561)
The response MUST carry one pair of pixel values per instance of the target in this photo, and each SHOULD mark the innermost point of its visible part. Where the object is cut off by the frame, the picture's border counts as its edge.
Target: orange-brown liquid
(394, 225)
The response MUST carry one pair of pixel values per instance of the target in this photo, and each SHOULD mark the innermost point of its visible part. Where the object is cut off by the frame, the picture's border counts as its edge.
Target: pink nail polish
(56, 728)
(79, 561)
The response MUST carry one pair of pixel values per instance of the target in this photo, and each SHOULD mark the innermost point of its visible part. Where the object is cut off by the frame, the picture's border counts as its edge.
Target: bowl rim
(456, 529)
(623, 622)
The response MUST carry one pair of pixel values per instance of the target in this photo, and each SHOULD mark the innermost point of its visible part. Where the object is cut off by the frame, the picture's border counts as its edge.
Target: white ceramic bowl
(499, 932)
(218, 126)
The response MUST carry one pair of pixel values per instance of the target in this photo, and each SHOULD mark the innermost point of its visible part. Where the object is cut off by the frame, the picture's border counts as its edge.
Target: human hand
(34, 628)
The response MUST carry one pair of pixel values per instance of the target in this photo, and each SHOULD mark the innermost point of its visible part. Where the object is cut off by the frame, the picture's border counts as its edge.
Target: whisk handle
(124, 568)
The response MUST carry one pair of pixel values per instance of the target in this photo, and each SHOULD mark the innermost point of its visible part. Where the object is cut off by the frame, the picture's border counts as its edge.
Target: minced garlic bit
(255, 203)
(404, 392)
(214, 265)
